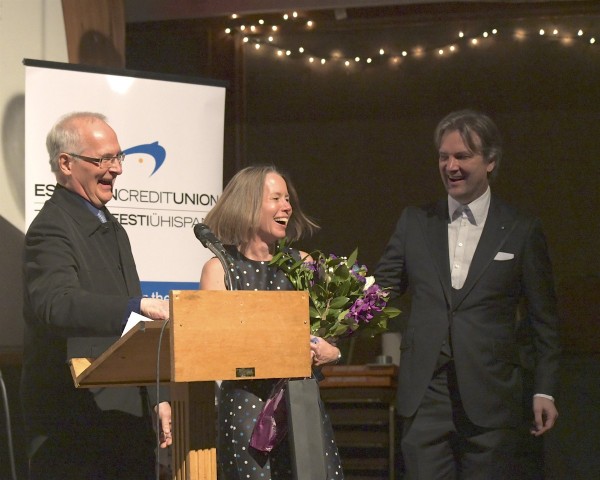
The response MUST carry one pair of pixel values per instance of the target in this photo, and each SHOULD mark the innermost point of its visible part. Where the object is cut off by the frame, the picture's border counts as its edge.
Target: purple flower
(366, 307)
(359, 272)
(313, 272)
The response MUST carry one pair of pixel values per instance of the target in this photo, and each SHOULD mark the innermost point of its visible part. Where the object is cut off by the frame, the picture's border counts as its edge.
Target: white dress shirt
(464, 232)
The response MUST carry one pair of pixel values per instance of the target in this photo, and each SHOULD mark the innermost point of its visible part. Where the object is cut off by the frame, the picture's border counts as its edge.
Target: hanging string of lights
(260, 35)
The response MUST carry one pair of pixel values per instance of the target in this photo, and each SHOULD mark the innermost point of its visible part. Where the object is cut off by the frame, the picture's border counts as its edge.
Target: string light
(256, 36)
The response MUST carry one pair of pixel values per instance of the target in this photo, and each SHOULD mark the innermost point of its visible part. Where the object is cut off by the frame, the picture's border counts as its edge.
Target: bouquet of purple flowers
(343, 299)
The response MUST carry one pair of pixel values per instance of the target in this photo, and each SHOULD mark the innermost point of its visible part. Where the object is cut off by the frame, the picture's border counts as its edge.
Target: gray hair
(65, 135)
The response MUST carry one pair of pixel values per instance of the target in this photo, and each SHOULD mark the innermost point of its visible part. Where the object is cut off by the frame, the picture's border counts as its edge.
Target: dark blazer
(481, 317)
(79, 276)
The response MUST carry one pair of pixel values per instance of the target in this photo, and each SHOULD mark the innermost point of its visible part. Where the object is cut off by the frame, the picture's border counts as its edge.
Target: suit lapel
(498, 226)
(437, 238)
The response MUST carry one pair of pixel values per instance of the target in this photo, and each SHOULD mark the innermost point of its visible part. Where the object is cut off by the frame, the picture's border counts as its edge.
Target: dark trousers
(440, 443)
(118, 446)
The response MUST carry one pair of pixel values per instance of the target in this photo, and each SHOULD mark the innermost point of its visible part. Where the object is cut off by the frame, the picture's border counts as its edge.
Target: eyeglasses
(102, 162)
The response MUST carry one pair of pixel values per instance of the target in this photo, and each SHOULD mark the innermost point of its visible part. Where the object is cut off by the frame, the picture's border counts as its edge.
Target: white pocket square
(504, 256)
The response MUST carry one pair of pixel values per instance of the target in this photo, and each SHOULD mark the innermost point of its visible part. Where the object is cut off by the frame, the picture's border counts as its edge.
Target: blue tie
(101, 216)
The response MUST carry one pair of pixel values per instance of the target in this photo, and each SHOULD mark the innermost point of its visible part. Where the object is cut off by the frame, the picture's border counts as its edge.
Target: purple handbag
(271, 424)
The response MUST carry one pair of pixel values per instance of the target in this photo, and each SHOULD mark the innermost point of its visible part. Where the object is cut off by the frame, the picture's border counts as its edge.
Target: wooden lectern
(211, 335)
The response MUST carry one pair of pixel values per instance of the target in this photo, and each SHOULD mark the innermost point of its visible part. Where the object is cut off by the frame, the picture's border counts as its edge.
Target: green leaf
(339, 302)
(392, 312)
(276, 258)
(353, 256)
(339, 330)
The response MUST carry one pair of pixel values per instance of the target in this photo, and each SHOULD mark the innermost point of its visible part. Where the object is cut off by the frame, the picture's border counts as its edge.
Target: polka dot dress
(241, 401)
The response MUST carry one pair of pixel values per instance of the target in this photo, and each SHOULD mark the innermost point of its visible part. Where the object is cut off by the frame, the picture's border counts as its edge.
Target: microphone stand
(210, 241)
(226, 261)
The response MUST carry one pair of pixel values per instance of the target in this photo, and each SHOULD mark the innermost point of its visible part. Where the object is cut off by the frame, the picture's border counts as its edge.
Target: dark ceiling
(158, 10)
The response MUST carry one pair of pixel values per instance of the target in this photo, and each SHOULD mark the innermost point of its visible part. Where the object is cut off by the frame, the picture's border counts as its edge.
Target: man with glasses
(81, 284)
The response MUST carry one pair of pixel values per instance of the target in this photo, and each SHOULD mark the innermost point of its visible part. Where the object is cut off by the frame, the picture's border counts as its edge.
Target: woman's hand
(322, 352)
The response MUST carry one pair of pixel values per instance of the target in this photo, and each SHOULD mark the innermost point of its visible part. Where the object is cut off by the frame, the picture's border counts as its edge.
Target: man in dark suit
(81, 284)
(470, 263)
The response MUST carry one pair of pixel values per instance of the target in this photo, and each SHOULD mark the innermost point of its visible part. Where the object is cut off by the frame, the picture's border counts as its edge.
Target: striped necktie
(101, 216)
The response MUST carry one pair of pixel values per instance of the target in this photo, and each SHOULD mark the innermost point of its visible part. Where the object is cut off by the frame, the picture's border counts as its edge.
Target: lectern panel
(233, 335)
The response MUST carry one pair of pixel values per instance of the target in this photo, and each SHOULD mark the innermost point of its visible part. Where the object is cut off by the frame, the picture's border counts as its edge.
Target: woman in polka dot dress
(252, 215)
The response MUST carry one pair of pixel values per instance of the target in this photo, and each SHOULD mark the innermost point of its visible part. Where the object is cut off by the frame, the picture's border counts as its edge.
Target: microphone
(207, 237)
(210, 241)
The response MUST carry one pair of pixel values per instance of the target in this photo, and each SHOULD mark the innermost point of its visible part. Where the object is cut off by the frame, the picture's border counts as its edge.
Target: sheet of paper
(133, 320)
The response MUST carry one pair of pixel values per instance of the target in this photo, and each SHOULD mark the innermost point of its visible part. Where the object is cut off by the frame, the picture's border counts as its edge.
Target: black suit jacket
(79, 275)
(510, 266)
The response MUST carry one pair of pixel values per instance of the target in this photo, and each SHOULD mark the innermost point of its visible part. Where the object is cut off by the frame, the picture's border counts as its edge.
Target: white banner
(172, 132)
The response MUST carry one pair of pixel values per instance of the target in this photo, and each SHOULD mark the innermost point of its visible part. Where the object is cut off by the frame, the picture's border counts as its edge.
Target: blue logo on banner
(162, 290)
(154, 150)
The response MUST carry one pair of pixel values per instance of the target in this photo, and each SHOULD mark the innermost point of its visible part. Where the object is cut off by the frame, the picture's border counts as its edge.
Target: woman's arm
(213, 275)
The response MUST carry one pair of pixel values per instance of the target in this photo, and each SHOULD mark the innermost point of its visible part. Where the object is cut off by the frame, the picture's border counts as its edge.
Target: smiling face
(464, 172)
(93, 183)
(276, 209)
